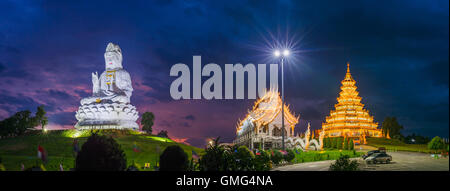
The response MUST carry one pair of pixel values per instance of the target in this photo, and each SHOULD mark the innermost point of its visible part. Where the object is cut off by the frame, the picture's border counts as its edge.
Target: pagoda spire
(348, 75)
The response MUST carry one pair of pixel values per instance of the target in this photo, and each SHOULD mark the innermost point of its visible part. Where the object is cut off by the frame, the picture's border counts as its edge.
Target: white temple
(262, 127)
(109, 106)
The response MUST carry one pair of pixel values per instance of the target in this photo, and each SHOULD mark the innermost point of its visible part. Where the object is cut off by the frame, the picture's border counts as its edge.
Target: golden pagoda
(350, 119)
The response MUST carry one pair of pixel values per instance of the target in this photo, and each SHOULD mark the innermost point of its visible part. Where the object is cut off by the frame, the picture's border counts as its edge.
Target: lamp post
(283, 55)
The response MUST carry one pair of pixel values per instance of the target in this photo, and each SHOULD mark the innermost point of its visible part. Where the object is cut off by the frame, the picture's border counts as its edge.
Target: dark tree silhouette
(173, 159)
(147, 122)
(101, 153)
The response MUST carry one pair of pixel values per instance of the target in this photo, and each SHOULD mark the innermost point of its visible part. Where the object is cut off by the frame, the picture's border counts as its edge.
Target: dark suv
(369, 153)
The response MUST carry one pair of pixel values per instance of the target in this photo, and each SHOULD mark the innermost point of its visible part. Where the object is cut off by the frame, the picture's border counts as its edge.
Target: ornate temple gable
(349, 118)
(266, 111)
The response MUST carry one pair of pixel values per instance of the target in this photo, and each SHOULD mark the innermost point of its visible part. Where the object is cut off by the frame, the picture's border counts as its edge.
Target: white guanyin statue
(109, 106)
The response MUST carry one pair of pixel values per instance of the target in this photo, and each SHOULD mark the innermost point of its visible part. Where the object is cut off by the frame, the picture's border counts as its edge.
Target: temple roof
(266, 109)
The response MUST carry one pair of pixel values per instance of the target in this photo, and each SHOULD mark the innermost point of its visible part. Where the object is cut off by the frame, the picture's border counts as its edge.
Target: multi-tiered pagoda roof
(350, 119)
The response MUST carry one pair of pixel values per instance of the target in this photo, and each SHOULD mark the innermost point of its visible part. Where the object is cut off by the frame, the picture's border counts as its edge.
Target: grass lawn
(58, 144)
(396, 145)
(311, 156)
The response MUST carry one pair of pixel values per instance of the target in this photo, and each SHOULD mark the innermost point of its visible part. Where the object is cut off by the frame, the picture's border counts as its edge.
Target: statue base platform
(107, 116)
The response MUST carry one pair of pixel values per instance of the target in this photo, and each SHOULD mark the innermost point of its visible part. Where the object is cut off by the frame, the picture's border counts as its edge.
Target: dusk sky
(398, 54)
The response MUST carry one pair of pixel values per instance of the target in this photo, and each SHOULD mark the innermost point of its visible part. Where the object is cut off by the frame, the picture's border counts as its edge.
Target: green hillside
(396, 145)
(58, 144)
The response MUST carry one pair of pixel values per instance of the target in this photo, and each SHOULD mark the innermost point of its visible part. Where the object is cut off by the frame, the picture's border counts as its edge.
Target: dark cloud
(190, 117)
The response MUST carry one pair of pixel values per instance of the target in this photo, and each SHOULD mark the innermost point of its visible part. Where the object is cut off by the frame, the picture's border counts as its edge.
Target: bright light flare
(286, 52)
(277, 53)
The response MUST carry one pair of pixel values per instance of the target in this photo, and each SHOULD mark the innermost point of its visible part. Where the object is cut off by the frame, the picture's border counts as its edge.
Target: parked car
(369, 153)
(379, 158)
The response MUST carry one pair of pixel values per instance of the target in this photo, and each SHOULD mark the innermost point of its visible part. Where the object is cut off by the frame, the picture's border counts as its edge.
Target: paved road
(401, 161)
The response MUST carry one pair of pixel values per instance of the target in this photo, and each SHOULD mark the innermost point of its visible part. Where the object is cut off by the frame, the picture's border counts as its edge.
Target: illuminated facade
(261, 128)
(350, 119)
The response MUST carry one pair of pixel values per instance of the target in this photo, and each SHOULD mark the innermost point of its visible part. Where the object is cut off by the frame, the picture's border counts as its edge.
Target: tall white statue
(109, 106)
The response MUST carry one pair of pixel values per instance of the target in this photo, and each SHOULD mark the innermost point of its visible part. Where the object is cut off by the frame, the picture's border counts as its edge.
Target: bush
(134, 167)
(436, 144)
(173, 159)
(277, 156)
(332, 143)
(345, 144)
(351, 145)
(262, 161)
(344, 164)
(163, 133)
(100, 153)
(216, 159)
(339, 143)
(290, 155)
(245, 158)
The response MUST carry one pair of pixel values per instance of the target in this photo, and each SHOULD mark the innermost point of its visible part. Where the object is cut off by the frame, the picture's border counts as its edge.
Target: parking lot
(401, 161)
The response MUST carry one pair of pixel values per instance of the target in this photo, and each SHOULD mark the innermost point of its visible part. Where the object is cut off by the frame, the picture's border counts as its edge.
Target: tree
(351, 144)
(100, 153)
(147, 122)
(391, 126)
(344, 164)
(17, 124)
(40, 117)
(436, 144)
(339, 143)
(173, 159)
(345, 143)
(333, 142)
(326, 142)
(163, 133)
(215, 158)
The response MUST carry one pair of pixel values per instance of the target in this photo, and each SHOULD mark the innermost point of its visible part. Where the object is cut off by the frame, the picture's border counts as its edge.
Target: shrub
(339, 142)
(216, 159)
(333, 142)
(276, 157)
(173, 159)
(436, 144)
(262, 161)
(345, 144)
(134, 167)
(344, 164)
(351, 145)
(245, 158)
(163, 133)
(100, 153)
(290, 155)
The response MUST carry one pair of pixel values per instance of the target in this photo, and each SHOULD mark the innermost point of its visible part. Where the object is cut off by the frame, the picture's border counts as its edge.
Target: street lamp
(283, 56)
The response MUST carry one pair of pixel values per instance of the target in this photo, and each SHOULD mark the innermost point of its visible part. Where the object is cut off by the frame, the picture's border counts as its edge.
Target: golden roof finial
(348, 67)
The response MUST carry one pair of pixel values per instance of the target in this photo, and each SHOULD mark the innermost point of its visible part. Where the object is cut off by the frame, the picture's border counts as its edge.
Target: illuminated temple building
(350, 119)
(261, 128)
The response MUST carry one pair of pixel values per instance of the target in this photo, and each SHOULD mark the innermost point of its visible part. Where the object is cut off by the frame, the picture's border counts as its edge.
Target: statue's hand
(95, 83)
(94, 78)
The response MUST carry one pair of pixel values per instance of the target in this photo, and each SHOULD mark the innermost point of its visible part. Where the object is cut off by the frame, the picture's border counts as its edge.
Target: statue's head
(113, 56)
